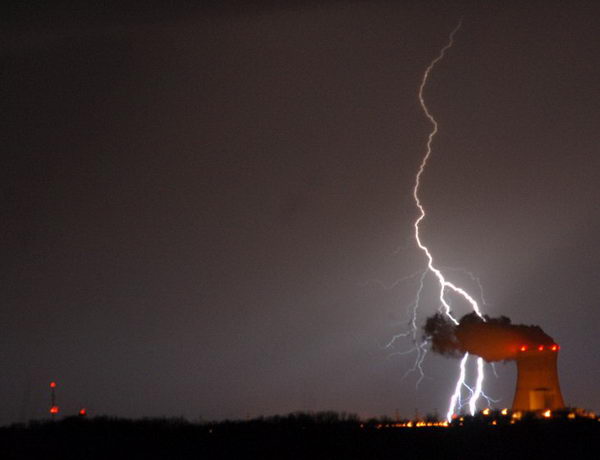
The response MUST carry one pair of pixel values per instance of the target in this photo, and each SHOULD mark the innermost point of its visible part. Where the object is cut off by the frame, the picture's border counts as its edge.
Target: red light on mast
(54, 410)
(83, 412)
(52, 384)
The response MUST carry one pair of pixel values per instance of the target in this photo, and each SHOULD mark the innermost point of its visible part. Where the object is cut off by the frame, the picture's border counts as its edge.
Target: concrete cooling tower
(537, 379)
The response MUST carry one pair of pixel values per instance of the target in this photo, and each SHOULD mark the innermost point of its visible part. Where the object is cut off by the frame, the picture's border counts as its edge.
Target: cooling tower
(537, 379)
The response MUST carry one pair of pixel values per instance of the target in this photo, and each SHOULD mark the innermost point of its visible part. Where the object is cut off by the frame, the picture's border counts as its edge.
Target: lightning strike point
(455, 399)
(478, 387)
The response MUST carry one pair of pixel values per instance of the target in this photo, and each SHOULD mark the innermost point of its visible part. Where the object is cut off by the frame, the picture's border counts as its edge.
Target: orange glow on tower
(537, 380)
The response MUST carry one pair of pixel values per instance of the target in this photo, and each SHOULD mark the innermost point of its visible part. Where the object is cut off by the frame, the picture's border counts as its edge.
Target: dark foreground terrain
(295, 436)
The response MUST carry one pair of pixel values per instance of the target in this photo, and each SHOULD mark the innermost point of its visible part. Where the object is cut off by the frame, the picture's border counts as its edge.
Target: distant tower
(53, 407)
(537, 379)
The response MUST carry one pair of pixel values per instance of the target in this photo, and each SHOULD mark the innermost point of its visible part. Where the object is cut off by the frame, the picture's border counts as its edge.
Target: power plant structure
(537, 379)
(497, 339)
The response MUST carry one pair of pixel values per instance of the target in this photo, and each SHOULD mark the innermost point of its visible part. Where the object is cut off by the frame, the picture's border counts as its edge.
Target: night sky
(205, 208)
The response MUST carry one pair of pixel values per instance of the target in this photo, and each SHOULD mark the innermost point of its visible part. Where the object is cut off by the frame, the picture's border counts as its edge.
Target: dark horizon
(207, 208)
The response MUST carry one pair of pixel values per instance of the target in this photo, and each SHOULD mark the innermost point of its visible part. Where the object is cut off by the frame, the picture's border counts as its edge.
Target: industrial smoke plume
(494, 339)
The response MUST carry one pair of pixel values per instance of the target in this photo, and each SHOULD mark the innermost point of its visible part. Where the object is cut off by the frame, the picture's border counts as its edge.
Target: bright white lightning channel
(445, 285)
(455, 398)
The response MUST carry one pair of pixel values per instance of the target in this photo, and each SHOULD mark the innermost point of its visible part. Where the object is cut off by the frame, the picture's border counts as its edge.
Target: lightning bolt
(455, 398)
(445, 286)
(478, 387)
(419, 348)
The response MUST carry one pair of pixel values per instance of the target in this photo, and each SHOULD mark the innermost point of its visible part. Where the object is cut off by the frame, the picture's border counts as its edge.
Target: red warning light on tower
(82, 412)
(52, 384)
(54, 410)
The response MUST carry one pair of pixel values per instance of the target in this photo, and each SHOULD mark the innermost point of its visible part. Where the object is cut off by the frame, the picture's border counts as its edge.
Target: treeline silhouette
(301, 435)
